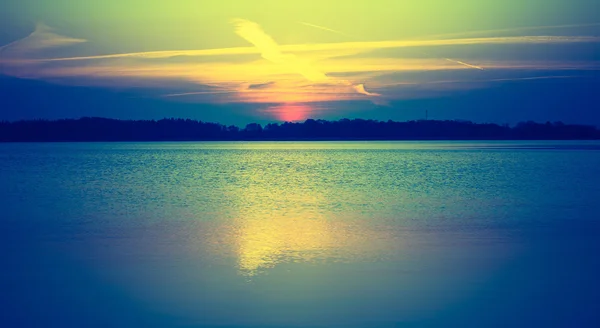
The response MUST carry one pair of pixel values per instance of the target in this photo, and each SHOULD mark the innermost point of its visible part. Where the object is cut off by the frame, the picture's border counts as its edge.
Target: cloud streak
(360, 88)
(270, 51)
(324, 28)
(507, 30)
(286, 74)
(340, 46)
(42, 38)
(464, 64)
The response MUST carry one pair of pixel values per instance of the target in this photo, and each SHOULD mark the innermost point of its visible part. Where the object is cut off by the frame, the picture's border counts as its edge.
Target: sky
(241, 61)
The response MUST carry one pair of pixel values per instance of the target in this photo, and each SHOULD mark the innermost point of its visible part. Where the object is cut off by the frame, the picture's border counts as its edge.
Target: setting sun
(290, 112)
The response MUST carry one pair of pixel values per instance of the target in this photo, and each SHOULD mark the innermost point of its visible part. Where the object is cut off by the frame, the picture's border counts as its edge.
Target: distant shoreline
(185, 130)
(287, 140)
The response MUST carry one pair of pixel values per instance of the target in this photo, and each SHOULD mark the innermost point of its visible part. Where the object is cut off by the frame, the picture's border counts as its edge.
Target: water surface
(300, 234)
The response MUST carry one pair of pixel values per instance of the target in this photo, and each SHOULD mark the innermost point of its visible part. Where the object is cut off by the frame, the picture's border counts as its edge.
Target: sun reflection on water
(263, 243)
(272, 208)
(287, 218)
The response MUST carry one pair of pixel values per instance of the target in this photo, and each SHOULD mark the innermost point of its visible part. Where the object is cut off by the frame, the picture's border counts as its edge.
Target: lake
(300, 234)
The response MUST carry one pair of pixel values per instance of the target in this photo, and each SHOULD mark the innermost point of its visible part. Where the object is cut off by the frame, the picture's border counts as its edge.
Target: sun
(291, 112)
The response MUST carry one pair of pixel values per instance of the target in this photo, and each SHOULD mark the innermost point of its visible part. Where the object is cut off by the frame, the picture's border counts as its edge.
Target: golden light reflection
(282, 217)
(266, 241)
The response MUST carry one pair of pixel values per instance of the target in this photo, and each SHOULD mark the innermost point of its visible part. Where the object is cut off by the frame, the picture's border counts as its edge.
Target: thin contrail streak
(485, 81)
(342, 33)
(537, 78)
(324, 28)
(464, 64)
(507, 30)
(197, 93)
(456, 62)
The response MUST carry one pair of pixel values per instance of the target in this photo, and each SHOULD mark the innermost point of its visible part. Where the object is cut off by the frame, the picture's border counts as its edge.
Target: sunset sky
(235, 61)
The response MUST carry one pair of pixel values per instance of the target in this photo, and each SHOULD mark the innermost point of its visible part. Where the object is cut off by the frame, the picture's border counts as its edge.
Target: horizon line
(279, 122)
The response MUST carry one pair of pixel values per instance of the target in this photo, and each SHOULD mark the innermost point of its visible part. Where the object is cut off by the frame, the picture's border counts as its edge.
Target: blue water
(310, 234)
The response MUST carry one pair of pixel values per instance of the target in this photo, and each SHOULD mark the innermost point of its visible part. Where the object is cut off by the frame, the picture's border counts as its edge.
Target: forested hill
(102, 129)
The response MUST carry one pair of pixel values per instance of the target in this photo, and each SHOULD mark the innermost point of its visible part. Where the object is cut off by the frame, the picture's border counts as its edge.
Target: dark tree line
(102, 129)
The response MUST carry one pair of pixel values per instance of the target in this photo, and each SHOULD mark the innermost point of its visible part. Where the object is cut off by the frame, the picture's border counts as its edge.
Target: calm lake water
(309, 234)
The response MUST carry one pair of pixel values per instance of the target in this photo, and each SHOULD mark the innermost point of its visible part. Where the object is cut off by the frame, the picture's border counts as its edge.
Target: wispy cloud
(196, 93)
(497, 32)
(324, 28)
(43, 37)
(261, 85)
(360, 88)
(270, 51)
(341, 46)
(515, 79)
(268, 72)
(464, 64)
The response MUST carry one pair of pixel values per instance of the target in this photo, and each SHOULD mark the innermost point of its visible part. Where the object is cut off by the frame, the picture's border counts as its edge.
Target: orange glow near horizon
(291, 112)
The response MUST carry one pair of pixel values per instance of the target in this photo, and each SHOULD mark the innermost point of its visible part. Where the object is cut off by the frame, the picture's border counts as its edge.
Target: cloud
(270, 51)
(339, 46)
(464, 64)
(19, 57)
(480, 81)
(297, 73)
(324, 28)
(360, 88)
(508, 30)
(196, 93)
(254, 34)
(43, 37)
(261, 85)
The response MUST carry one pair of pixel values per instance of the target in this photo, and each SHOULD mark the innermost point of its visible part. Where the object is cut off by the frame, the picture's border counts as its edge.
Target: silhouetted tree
(102, 129)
